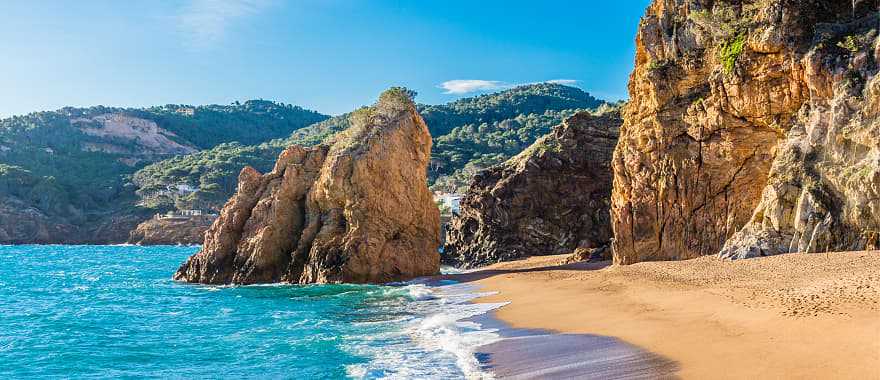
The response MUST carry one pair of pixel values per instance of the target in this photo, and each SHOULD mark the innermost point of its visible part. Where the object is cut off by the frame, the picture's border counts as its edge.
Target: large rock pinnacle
(354, 210)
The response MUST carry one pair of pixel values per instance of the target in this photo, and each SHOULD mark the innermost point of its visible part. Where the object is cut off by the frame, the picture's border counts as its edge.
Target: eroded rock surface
(142, 133)
(21, 224)
(553, 198)
(354, 210)
(751, 130)
(170, 231)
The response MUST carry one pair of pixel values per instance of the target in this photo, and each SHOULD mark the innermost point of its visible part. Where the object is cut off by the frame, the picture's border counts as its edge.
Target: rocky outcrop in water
(22, 223)
(354, 210)
(172, 230)
(553, 198)
(751, 130)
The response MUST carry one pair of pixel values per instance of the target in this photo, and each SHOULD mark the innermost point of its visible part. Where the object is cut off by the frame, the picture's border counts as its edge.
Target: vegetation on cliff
(72, 164)
(214, 172)
(472, 134)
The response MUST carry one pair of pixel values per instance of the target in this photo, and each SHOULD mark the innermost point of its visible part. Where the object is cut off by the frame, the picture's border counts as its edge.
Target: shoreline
(788, 316)
(538, 353)
(489, 347)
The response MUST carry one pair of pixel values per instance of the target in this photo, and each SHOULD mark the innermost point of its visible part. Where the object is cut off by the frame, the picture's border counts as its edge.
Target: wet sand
(542, 354)
(797, 316)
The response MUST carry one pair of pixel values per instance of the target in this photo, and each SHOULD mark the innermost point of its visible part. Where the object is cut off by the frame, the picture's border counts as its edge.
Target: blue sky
(327, 55)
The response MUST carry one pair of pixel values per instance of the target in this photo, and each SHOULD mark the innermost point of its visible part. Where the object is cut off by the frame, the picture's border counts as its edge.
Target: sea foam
(440, 324)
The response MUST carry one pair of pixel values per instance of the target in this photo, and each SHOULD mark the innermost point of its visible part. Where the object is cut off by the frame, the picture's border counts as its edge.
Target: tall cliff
(354, 210)
(751, 130)
(552, 198)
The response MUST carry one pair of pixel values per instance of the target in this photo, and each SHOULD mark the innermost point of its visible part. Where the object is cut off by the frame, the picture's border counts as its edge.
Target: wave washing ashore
(113, 311)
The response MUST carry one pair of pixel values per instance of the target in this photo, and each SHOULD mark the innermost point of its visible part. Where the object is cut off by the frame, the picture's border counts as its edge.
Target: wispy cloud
(205, 22)
(466, 86)
(469, 86)
(566, 82)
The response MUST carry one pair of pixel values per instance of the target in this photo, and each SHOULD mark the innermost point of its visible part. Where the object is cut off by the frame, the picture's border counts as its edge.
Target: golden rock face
(358, 211)
(729, 125)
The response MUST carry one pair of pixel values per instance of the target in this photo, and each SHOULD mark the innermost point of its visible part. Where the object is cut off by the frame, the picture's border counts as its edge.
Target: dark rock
(552, 198)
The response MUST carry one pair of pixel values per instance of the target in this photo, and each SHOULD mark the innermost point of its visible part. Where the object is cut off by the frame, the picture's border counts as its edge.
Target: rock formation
(170, 231)
(22, 224)
(552, 198)
(354, 210)
(751, 130)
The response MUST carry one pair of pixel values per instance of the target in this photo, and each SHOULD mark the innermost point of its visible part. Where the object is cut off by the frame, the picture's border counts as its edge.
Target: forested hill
(474, 133)
(524, 100)
(72, 166)
(469, 134)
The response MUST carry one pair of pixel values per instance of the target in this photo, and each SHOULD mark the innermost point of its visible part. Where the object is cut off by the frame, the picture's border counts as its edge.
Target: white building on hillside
(452, 201)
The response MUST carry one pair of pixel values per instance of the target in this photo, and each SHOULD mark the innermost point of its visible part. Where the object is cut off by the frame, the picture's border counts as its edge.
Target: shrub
(395, 99)
(849, 43)
(659, 65)
(730, 52)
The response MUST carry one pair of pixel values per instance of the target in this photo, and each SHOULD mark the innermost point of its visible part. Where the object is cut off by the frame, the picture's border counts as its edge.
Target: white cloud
(205, 21)
(565, 82)
(468, 86)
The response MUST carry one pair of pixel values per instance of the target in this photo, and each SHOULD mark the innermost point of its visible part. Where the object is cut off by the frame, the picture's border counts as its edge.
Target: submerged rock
(751, 130)
(552, 198)
(356, 210)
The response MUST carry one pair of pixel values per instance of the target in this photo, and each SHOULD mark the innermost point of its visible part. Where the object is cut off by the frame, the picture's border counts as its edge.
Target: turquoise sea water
(114, 312)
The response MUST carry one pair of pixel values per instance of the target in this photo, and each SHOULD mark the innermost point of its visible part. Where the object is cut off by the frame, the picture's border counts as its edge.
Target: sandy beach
(796, 316)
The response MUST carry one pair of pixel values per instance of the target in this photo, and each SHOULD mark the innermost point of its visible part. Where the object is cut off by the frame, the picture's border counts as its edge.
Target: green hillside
(86, 167)
(469, 135)
(74, 164)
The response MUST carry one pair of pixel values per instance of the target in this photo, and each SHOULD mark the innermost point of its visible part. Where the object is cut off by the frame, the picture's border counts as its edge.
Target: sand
(796, 316)
(538, 354)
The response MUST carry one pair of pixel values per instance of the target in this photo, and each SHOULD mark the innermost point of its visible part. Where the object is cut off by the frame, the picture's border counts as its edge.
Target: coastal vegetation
(214, 172)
